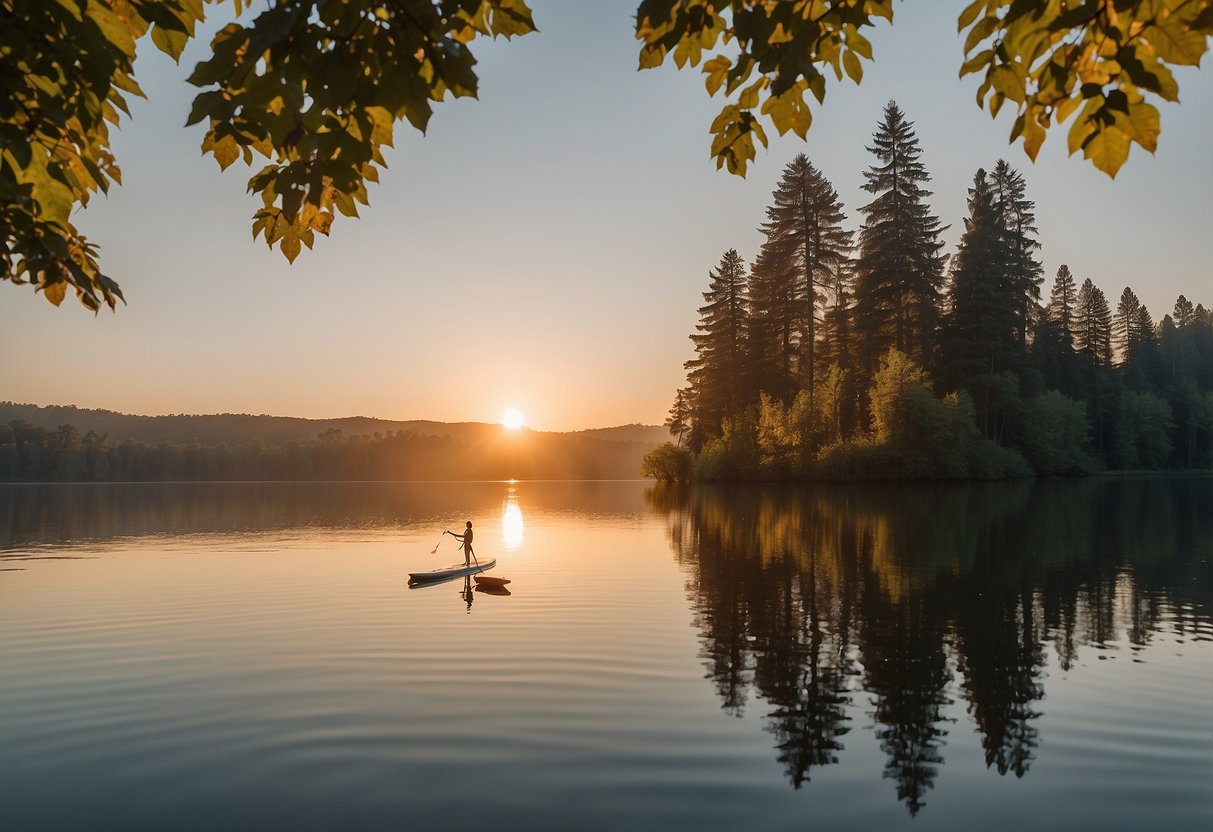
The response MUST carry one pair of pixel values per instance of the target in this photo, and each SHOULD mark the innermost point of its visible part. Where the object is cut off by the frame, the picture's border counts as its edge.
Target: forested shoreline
(29, 453)
(874, 354)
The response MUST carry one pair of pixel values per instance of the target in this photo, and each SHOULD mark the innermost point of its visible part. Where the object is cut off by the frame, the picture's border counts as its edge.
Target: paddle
(435, 549)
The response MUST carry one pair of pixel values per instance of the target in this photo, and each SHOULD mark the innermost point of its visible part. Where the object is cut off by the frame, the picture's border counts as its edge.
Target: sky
(545, 247)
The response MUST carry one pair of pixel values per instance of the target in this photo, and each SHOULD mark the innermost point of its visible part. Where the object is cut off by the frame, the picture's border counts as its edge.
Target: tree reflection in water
(893, 599)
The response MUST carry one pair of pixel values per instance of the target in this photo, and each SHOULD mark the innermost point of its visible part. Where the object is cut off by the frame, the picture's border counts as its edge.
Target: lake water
(249, 656)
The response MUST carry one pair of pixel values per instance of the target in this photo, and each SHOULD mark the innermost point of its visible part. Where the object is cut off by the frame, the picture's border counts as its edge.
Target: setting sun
(512, 418)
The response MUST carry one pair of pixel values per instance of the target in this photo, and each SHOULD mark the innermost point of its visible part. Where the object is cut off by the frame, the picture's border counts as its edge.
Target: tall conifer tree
(680, 420)
(1093, 339)
(717, 373)
(1018, 217)
(1062, 302)
(804, 227)
(899, 270)
(1093, 334)
(981, 333)
(1143, 365)
(1053, 341)
(776, 324)
(1126, 335)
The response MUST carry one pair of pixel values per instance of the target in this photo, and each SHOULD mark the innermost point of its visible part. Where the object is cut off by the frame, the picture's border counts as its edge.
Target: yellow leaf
(851, 64)
(969, 15)
(748, 99)
(716, 70)
(1032, 131)
(1176, 43)
(858, 43)
(55, 292)
(651, 57)
(381, 120)
(1083, 127)
(290, 247)
(1065, 108)
(789, 112)
(226, 151)
(1107, 149)
(1142, 124)
(780, 35)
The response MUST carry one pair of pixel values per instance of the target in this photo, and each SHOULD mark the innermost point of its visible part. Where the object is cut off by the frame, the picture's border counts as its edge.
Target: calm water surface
(249, 656)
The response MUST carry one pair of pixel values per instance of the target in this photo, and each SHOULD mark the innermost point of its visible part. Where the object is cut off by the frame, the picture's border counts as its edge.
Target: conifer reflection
(817, 604)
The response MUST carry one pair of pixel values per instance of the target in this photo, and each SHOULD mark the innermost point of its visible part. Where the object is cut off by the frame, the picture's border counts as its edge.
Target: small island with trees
(876, 355)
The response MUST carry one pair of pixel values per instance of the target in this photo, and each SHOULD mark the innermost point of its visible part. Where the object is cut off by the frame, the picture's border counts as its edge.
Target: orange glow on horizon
(512, 419)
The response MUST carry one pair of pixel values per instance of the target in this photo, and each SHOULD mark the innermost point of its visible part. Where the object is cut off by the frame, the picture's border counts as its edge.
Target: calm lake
(1027, 655)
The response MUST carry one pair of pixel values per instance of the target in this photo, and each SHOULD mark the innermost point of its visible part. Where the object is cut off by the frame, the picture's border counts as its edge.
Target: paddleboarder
(465, 540)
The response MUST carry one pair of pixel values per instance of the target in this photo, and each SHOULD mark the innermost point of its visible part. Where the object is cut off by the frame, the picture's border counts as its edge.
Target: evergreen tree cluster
(843, 353)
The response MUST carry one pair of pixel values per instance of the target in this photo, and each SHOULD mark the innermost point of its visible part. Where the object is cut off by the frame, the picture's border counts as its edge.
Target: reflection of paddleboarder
(465, 540)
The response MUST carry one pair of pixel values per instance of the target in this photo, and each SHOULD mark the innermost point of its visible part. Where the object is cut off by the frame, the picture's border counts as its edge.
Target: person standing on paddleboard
(466, 542)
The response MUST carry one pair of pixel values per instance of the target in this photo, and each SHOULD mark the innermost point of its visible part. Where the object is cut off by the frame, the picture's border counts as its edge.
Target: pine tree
(1143, 366)
(776, 325)
(1062, 302)
(1093, 339)
(836, 346)
(981, 332)
(1126, 324)
(680, 420)
(1093, 333)
(1053, 341)
(1018, 217)
(804, 227)
(717, 373)
(1183, 311)
(899, 271)
(836, 380)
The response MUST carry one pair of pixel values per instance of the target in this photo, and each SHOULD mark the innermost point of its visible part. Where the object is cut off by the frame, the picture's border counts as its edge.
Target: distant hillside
(242, 447)
(234, 428)
(230, 428)
(644, 434)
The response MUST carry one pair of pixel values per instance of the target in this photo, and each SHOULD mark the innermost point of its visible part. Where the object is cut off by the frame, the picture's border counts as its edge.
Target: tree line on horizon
(872, 353)
(30, 453)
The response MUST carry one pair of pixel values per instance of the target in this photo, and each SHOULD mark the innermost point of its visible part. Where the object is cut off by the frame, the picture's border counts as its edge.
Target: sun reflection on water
(511, 521)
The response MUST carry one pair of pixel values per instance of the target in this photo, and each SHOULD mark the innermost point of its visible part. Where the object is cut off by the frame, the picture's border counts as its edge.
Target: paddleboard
(489, 580)
(453, 571)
